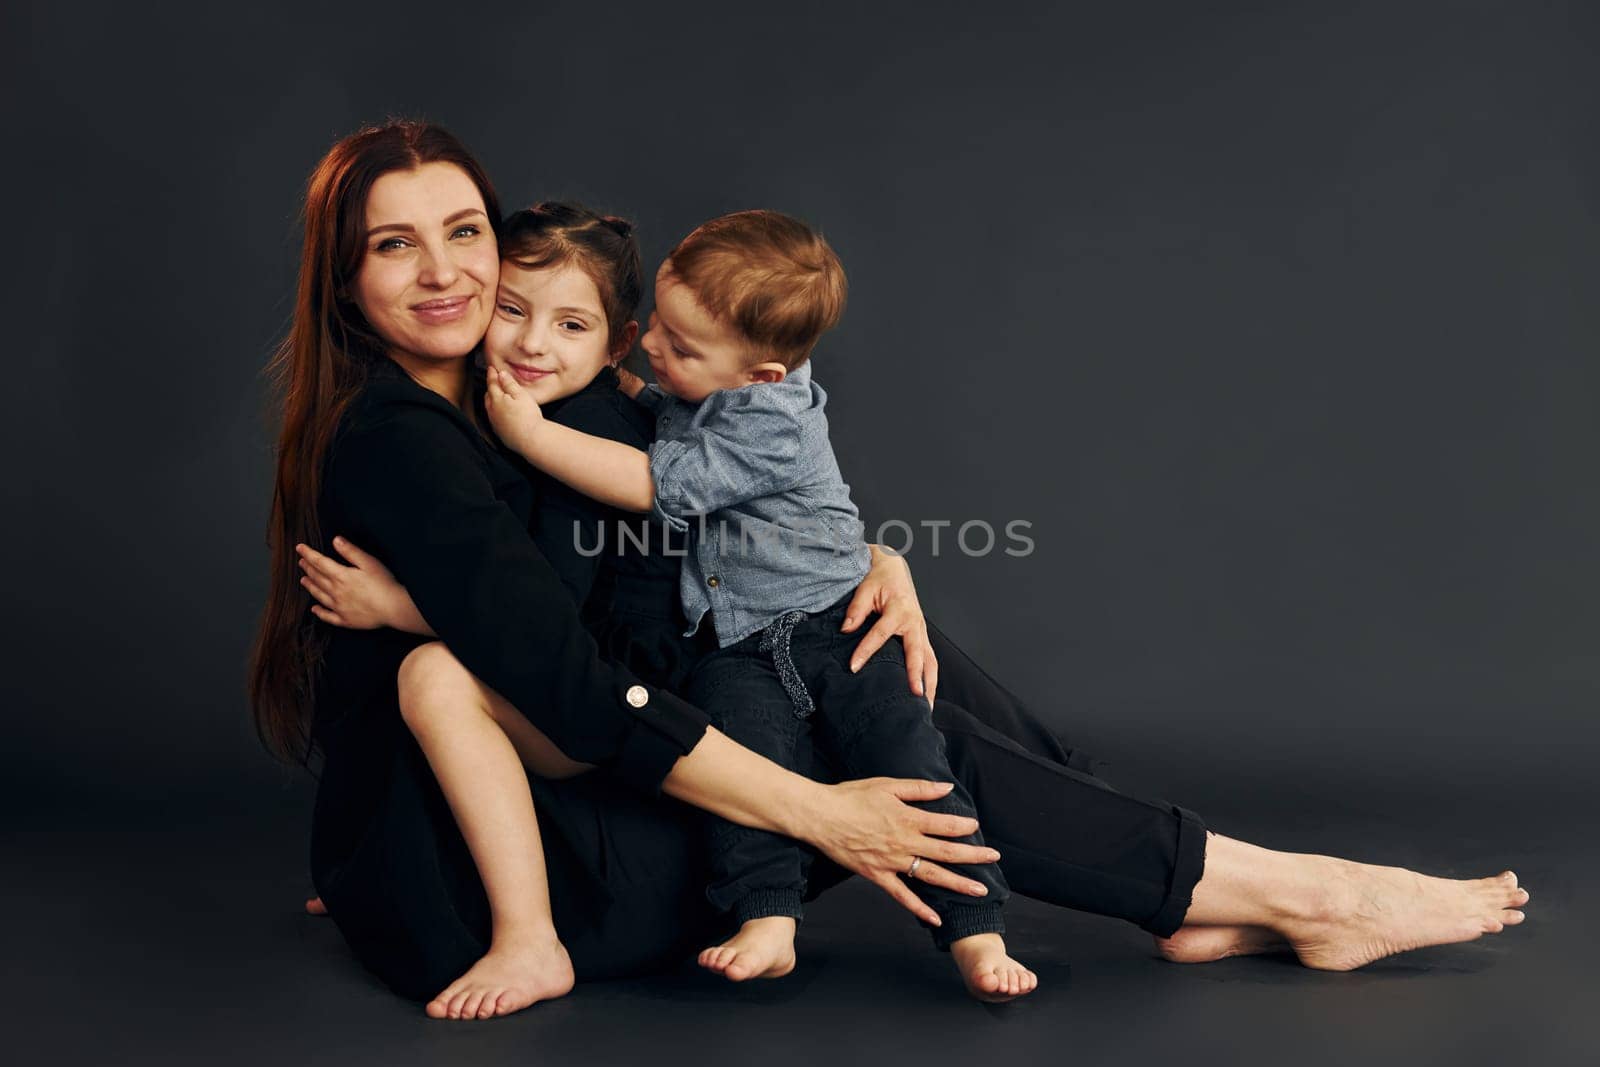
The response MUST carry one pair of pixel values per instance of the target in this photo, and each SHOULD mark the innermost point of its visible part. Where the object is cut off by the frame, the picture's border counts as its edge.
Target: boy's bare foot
(512, 976)
(315, 906)
(989, 973)
(763, 948)
(1371, 912)
(1206, 944)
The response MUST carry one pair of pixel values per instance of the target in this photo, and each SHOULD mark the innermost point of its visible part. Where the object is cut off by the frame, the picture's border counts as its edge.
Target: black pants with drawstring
(787, 693)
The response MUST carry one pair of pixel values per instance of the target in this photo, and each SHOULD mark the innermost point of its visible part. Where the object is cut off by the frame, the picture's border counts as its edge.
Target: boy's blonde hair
(768, 276)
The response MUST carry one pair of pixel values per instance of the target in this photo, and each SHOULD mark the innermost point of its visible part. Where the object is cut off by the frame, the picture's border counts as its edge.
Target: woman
(381, 443)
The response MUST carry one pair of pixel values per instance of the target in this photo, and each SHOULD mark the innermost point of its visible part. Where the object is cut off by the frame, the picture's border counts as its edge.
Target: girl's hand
(867, 827)
(887, 590)
(513, 412)
(361, 596)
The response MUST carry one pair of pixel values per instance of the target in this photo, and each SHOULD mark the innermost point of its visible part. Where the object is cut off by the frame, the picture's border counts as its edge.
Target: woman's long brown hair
(317, 371)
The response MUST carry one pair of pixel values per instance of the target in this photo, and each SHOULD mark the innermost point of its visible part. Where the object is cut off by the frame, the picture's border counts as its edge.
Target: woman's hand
(867, 827)
(887, 590)
(361, 596)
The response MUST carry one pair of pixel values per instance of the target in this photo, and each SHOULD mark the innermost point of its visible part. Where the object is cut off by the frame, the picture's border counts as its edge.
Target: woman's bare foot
(315, 906)
(1207, 944)
(763, 948)
(512, 976)
(1371, 912)
(989, 973)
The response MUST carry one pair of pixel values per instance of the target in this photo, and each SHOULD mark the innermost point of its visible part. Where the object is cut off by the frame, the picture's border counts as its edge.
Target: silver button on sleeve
(638, 696)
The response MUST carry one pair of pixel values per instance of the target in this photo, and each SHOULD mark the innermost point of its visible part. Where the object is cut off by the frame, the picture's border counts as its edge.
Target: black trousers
(786, 692)
(628, 873)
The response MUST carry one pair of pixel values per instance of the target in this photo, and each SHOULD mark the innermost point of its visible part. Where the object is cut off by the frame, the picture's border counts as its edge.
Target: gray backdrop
(1276, 321)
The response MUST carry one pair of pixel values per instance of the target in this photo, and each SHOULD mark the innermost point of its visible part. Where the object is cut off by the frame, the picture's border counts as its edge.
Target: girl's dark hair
(318, 369)
(555, 233)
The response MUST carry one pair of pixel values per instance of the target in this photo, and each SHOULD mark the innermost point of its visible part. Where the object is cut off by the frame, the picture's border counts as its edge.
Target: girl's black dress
(500, 579)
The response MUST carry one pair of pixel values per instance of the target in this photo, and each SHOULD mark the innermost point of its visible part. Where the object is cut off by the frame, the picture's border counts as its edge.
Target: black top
(622, 567)
(411, 480)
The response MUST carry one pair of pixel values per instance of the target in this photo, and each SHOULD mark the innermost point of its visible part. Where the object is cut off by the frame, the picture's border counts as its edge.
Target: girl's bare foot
(1206, 944)
(1371, 912)
(512, 976)
(763, 948)
(315, 906)
(989, 973)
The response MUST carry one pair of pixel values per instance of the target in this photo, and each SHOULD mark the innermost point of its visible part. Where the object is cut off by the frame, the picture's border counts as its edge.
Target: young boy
(742, 460)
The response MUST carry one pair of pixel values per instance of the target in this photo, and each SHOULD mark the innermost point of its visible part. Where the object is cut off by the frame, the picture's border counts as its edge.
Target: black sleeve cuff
(665, 729)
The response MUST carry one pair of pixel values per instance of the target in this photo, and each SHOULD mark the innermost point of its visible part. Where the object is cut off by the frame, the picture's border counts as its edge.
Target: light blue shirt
(751, 473)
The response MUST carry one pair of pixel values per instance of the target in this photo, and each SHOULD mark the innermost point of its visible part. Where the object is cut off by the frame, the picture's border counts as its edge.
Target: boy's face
(692, 354)
(549, 330)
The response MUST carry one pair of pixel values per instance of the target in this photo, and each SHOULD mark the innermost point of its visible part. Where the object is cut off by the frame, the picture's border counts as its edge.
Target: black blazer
(409, 479)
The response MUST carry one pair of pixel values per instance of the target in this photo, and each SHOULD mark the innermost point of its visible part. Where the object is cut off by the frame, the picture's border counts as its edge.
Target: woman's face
(427, 277)
(549, 330)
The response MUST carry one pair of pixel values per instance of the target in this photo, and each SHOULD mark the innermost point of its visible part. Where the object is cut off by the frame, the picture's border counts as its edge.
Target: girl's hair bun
(622, 226)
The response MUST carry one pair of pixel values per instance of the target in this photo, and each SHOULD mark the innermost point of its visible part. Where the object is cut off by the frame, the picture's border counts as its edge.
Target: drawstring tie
(775, 641)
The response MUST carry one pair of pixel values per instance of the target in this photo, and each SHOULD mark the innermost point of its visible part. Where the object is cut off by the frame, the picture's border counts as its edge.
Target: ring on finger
(911, 871)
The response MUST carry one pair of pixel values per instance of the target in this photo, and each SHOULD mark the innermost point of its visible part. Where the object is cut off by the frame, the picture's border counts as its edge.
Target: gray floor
(174, 939)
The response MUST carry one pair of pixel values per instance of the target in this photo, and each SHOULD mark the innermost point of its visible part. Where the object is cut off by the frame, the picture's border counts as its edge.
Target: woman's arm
(364, 595)
(410, 486)
(864, 826)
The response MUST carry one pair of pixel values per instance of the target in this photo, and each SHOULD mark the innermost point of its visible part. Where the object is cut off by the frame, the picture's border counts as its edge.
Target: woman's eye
(389, 244)
(469, 230)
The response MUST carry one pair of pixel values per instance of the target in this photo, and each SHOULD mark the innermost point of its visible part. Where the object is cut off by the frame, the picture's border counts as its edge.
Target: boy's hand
(629, 384)
(887, 590)
(361, 596)
(514, 413)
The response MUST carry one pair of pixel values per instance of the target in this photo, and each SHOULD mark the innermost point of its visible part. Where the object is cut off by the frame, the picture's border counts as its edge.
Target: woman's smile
(444, 309)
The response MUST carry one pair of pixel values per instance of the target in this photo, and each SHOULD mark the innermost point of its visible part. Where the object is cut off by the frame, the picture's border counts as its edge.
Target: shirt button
(713, 581)
(638, 696)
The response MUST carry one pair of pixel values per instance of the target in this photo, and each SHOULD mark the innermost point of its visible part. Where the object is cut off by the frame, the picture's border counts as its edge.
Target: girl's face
(549, 330)
(428, 272)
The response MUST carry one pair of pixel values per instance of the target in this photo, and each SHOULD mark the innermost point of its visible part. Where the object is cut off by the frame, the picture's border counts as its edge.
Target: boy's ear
(624, 345)
(769, 373)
